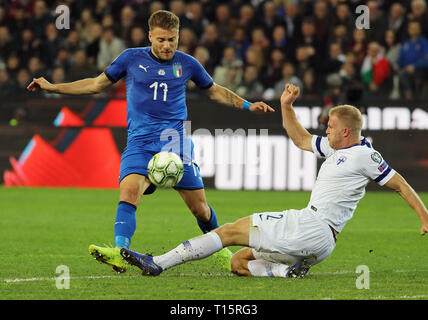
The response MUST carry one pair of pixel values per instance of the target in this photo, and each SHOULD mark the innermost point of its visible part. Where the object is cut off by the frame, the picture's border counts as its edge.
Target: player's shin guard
(210, 225)
(125, 224)
(193, 249)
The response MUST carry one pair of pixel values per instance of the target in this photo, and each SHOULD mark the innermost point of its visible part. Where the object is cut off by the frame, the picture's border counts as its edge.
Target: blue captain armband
(246, 105)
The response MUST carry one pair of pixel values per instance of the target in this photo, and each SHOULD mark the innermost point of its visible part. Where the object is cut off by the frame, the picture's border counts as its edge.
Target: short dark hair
(164, 19)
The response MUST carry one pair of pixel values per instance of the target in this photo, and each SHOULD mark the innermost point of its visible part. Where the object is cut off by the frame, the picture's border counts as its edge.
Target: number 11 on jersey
(155, 85)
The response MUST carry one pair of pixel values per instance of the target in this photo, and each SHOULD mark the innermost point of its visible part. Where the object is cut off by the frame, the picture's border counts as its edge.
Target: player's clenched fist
(40, 84)
(290, 94)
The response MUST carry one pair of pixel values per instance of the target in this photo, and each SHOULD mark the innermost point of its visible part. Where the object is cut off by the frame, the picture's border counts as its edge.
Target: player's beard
(164, 55)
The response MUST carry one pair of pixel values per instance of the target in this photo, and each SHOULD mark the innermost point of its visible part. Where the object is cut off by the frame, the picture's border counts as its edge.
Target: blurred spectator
(322, 20)
(197, 21)
(155, 6)
(259, 40)
(7, 87)
(23, 79)
(3, 21)
(274, 68)
(340, 36)
(343, 17)
(18, 21)
(188, 40)
(211, 41)
(62, 59)
(127, 21)
(419, 13)
(335, 59)
(40, 18)
(378, 22)
(292, 19)
(101, 9)
(310, 38)
(107, 22)
(202, 55)
(333, 97)
(246, 17)
(84, 25)
(94, 45)
(6, 42)
(73, 42)
(392, 47)
(413, 61)
(50, 46)
(110, 48)
(138, 38)
(225, 24)
(13, 64)
(250, 88)
(281, 41)
(254, 57)
(288, 76)
(35, 67)
(81, 68)
(375, 72)
(269, 19)
(304, 60)
(359, 46)
(229, 72)
(397, 20)
(310, 87)
(178, 7)
(240, 42)
(29, 46)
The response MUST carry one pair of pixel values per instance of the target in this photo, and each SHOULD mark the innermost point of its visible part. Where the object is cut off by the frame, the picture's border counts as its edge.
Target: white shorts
(290, 236)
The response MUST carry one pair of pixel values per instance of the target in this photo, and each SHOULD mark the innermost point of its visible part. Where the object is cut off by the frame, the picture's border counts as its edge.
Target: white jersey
(342, 179)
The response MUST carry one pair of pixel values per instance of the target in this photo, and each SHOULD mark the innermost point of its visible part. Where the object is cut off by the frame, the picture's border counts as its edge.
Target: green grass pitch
(43, 228)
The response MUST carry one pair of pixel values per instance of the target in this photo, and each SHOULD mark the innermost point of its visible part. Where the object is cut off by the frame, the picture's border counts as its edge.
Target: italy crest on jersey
(177, 69)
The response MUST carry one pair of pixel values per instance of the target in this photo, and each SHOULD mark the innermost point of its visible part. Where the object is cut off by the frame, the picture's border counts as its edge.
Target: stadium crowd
(252, 47)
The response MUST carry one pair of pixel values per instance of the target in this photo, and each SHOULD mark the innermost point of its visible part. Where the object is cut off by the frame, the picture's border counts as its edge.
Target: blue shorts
(137, 155)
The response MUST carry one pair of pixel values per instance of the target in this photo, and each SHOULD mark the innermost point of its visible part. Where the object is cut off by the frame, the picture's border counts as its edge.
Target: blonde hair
(350, 116)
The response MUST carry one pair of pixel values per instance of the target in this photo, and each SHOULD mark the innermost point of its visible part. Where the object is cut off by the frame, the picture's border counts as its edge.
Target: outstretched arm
(231, 99)
(79, 87)
(300, 136)
(400, 185)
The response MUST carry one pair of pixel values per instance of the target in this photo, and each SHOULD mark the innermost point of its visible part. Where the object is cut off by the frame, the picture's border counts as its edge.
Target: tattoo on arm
(225, 96)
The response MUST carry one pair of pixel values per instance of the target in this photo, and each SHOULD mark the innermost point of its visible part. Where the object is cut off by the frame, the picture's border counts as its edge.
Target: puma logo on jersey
(144, 68)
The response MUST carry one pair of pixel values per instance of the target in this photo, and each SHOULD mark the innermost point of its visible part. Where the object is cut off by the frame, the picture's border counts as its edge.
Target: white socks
(263, 268)
(193, 249)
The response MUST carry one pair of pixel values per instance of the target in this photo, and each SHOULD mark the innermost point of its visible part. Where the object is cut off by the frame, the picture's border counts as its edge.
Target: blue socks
(125, 224)
(210, 225)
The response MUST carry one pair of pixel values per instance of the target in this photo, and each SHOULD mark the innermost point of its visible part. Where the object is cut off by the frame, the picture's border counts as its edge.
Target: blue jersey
(156, 90)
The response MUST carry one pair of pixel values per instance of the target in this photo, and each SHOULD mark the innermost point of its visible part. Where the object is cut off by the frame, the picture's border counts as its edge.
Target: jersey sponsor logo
(144, 68)
(376, 157)
(176, 67)
(341, 160)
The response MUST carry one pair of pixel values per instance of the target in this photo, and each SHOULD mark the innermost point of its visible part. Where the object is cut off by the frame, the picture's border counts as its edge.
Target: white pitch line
(190, 275)
(54, 278)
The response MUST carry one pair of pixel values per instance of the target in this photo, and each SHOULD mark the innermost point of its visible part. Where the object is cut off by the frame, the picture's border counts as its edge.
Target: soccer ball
(165, 169)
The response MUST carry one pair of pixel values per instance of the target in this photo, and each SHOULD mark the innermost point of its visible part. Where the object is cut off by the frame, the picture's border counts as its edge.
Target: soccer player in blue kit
(156, 79)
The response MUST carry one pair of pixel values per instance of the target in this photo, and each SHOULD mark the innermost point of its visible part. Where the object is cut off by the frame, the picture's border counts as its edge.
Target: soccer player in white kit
(286, 244)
